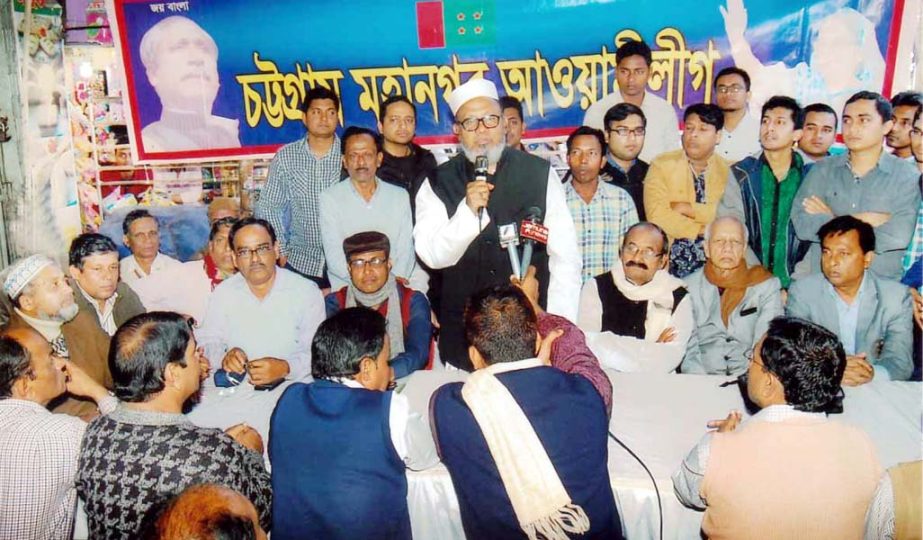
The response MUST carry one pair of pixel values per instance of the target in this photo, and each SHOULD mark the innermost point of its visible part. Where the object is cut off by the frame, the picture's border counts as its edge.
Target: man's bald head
(725, 242)
(208, 511)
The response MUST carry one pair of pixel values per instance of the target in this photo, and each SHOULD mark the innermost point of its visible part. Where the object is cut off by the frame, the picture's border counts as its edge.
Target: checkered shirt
(600, 225)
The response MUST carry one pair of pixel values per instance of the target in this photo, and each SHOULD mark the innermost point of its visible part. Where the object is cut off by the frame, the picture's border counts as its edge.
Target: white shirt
(440, 242)
(742, 142)
(157, 290)
(662, 125)
(106, 320)
(197, 289)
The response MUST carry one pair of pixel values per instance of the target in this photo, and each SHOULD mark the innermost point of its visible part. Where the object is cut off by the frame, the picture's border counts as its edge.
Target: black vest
(521, 181)
(621, 316)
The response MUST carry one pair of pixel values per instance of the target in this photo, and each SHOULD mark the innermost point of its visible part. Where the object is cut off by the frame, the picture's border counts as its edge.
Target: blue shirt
(848, 315)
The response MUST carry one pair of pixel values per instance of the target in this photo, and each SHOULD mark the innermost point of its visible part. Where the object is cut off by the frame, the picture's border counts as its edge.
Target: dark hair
(621, 111)
(89, 244)
(881, 104)
(665, 240)
(366, 241)
(707, 112)
(343, 340)
(822, 108)
(391, 100)
(247, 221)
(587, 130)
(140, 351)
(219, 224)
(633, 47)
(907, 99)
(15, 363)
(842, 225)
(916, 115)
(734, 70)
(785, 102)
(355, 131)
(808, 360)
(509, 102)
(501, 324)
(319, 92)
(134, 216)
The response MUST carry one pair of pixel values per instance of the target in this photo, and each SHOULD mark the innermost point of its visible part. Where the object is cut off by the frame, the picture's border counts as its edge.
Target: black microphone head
(534, 213)
(480, 165)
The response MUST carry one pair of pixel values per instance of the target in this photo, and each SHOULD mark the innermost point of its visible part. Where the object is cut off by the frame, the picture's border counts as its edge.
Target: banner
(214, 79)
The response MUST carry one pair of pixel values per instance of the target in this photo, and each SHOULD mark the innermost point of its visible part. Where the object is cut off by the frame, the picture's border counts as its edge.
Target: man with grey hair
(43, 300)
(181, 63)
(459, 218)
(733, 303)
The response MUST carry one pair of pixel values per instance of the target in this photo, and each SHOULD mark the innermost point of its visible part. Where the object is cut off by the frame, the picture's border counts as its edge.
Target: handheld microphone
(509, 239)
(480, 175)
(532, 231)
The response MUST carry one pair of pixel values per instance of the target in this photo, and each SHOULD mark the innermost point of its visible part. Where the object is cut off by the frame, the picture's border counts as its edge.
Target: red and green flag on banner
(455, 23)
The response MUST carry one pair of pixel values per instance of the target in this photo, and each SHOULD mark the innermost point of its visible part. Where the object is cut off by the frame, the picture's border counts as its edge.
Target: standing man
(632, 71)
(454, 233)
(741, 131)
(515, 124)
(299, 172)
(903, 106)
(866, 183)
(763, 187)
(602, 212)
(404, 163)
(820, 123)
(625, 129)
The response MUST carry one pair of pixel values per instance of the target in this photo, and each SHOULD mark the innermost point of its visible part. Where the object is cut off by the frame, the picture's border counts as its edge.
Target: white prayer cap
(22, 272)
(474, 88)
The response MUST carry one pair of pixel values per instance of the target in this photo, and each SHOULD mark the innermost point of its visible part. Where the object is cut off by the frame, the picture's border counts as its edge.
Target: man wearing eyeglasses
(638, 317)
(261, 320)
(732, 302)
(741, 129)
(374, 285)
(626, 127)
(458, 218)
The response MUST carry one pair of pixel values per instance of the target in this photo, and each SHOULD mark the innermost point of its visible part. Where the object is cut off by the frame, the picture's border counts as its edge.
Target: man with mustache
(458, 218)
(904, 106)
(638, 317)
(181, 63)
(819, 133)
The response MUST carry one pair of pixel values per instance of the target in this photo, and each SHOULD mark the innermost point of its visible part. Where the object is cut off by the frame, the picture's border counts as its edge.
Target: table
(661, 417)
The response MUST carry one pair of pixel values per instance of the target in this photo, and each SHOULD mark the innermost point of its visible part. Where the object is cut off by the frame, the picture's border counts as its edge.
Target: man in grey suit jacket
(733, 303)
(871, 315)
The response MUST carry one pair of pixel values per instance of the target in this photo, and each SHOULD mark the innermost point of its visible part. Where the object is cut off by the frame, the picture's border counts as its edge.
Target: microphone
(532, 231)
(480, 175)
(509, 239)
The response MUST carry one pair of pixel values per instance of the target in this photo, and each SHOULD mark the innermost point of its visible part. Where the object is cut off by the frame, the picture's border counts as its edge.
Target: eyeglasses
(259, 251)
(732, 89)
(624, 131)
(375, 262)
(646, 253)
(471, 124)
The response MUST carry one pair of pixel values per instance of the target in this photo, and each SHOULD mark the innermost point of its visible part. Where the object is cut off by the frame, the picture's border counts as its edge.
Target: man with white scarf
(638, 317)
(525, 443)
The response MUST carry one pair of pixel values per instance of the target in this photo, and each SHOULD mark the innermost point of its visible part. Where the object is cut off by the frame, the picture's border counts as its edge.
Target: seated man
(39, 449)
(359, 435)
(221, 208)
(896, 510)
(201, 277)
(150, 273)
(372, 285)
(43, 301)
(638, 317)
(523, 465)
(208, 511)
(788, 472)
(261, 320)
(870, 314)
(94, 270)
(732, 302)
(147, 450)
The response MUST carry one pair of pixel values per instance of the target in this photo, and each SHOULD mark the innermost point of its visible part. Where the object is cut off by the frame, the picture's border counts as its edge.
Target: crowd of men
(738, 246)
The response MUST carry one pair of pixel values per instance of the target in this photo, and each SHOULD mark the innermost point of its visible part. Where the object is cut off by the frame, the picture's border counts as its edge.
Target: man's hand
(544, 349)
(858, 370)
(683, 208)
(246, 436)
(728, 424)
(80, 384)
(667, 336)
(234, 360)
(735, 19)
(815, 205)
(205, 367)
(917, 306)
(875, 219)
(529, 286)
(477, 194)
(267, 370)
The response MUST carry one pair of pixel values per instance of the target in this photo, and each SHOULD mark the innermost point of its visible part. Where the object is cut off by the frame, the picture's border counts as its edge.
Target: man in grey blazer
(871, 315)
(732, 302)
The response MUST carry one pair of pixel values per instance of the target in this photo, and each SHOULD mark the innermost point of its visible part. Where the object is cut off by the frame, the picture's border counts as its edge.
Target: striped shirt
(289, 201)
(600, 225)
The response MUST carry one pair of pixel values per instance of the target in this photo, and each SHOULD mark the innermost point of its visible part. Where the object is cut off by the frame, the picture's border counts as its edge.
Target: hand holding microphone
(477, 193)
(532, 231)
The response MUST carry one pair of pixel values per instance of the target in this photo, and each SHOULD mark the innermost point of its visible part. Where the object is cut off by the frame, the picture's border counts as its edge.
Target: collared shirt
(157, 290)
(662, 125)
(600, 225)
(776, 204)
(106, 319)
(280, 325)
(687, 480)
(742, 142)
(915, 249)
(290, 199)
(848, 315)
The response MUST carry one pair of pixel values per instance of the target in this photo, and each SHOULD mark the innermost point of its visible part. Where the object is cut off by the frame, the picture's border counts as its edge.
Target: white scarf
(658, 293)
(540, 502)
(387, 292)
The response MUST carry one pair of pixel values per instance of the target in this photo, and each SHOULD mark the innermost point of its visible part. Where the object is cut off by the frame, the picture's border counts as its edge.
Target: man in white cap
(43, 300)
(458, 219)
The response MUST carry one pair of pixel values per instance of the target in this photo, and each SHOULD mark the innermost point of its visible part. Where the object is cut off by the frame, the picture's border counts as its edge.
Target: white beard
(493, 153)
